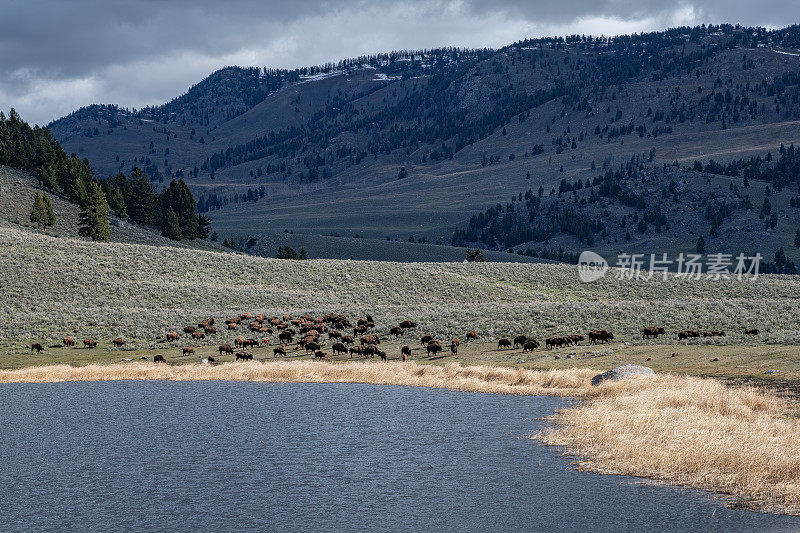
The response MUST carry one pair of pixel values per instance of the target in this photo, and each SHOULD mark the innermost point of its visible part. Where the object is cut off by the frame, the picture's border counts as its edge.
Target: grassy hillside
(51, 287)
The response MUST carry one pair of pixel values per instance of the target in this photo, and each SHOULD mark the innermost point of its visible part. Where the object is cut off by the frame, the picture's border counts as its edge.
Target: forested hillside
(415, 143)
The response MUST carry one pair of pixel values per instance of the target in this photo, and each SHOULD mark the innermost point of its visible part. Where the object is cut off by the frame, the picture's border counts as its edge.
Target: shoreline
(689, 431)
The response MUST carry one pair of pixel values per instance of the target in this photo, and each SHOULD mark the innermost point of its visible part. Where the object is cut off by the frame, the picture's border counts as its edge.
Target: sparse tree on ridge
(94, 215)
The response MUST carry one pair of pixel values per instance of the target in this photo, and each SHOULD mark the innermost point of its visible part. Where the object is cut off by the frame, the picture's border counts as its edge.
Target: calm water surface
(220, 456)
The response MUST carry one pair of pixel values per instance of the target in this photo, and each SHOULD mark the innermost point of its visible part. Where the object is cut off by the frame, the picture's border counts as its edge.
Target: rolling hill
(416, 143)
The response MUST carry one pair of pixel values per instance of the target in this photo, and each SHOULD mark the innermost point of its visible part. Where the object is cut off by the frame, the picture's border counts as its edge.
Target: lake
(199, 456)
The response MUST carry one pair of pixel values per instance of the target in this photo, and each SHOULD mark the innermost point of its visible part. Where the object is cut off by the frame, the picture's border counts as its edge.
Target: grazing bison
(250, 343)
(552, 342)
(173, 336)
(652, 331)
(600, 335)
(368, 350)
(397, 331)
(68, 341)
(355, 350)
(334, 335)
(453, 348)
(434, 347)
(89, 343)
(188, 350)
(426, 339)
(37, 346)
(312, 347)
(529, 345)
(231, 325)
(278, 351)
(456, 341)
(714, 333)
(503, 343)
(519, 340)
(198, 335)
(688, 334)
(347, 339)
(575, 339)
(405, 351)
(754, 331)
(225, 348)
(238, 341)
(118, 342)
(210, 330)
(244, 356)
(285, 335)
(159, 359)
(320, 355)
(472, 335)
(188, 329)
(408, 324)
(211, 359)
(381, 354)
(339, 348)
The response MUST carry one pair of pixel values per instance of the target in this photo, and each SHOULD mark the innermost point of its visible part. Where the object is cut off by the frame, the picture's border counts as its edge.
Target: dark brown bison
(188, 329)
(312, 347)
(225, 348)
(408, 324)
(37, 346)
(173, 336)
(244, 356)
(368, 350)
(210, 330)
(381, 354)
(198, 335)
(575, 339)
(653, 331)
(250, 343)
(320, 355)
(397, 331)
(405, 351)
(456, 341)
(89, 343)
(753, 331)
(503, 343)
(370, 339)
(426, 339)
(355, 350)
(688, 334)
(334, 335)
(238, 341)
(360, 330)
(519, 340)
(246, 316)
(347, 339)
(530, 345)
(339, 348)
(559, 342)
(68, 341)
(434, 347)
(285, 336)
(278, 351)
(211, 359)
(472, 335)
(714, 333)
(159, 359)
(188, 350)
(453, 348)
(599, 336)
(118, 342)
(231, 325)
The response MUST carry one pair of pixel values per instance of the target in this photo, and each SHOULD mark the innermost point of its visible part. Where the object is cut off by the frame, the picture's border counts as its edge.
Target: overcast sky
(58, 55)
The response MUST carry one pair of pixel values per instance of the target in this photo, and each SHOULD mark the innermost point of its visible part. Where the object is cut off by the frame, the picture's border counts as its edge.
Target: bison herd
(306, 332)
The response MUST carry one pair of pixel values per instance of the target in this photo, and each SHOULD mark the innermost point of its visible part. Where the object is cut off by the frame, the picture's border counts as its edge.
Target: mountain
(416, 143)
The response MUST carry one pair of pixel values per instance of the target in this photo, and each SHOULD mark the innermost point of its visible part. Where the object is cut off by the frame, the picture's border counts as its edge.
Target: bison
(231, 325)
(434, 347)
(250, 343)
(381, 354)
(529, 345)
(426, 339)
(188, 329)
(339, 348)
(211, 359)
(652, 331)
(159, 359)
(89, 343)
(285, 335)
(238, 341)
(244, 356)
(714, 333)
(118, 342)
(355, 350)
(405, 351)
(198, 335)
(188, 350)
(575, 339)
(37, 346)
(599, 336)
(688, 334)
(472, 335)
(519, 340)
(68, 341)
(173, 336)
(225, 348)
(320, 355)
(278, 351)
(503, 343)
(753, 331)
(408, 324)
(397, 331)
(312, 347)
(453, 348)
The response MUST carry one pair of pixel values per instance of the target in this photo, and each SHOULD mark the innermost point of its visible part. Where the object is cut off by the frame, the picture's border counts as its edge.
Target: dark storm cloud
(56, 55)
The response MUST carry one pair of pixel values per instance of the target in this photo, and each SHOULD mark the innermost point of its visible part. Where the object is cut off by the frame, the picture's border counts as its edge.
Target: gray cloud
(56, 56)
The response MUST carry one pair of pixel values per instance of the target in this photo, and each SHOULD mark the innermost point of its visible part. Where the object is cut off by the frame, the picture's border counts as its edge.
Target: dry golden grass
(451, 376)
(689, 431)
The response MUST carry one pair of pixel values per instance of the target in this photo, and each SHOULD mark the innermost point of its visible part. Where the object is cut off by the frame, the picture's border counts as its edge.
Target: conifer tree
(48, 206)
(94, 214)
(170, 228)
(39, 211)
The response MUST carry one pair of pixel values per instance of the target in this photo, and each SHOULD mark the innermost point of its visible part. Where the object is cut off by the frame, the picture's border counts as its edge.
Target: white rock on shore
(621, 372)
